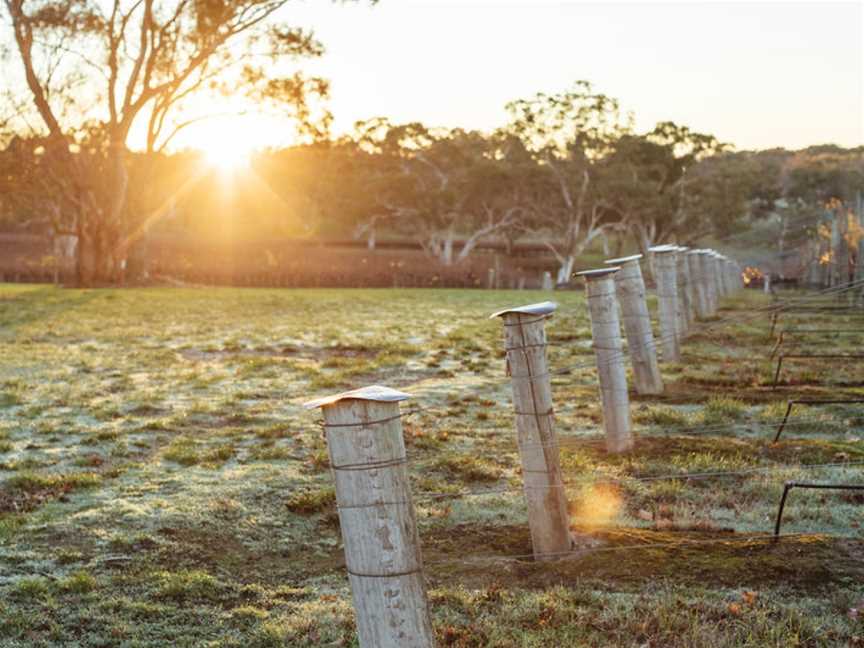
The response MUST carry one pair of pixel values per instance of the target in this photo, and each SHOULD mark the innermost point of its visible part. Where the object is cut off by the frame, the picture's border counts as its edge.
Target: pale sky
(756, 74)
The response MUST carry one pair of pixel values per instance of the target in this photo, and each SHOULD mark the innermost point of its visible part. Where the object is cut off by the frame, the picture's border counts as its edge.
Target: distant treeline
(567, 172)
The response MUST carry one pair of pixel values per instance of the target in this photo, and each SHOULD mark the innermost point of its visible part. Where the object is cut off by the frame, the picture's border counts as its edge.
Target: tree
(96, 70)
(567, 134)
(439, 185)
(648, 179)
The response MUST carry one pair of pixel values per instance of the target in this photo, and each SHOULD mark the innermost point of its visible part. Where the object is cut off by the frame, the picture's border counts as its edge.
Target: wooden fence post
(525, 345)
(606, 333)
(630, 288)
(717, 291)
(709, 271)
(373, 495)
(689, 286)
(697, 280)
(667, 301)
(731, 286)
(547, 281)
(684, 317)
(722, 275)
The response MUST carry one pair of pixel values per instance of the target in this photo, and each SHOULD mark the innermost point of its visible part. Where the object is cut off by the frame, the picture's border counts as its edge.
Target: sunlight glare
(227, 155)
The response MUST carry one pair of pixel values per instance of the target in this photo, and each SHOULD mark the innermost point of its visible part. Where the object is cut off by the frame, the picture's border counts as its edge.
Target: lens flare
(597, 506)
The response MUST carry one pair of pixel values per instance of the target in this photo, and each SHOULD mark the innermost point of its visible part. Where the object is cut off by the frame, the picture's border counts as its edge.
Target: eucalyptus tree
(448, 188)
(122, 67)
(648, 178)
(568, 134)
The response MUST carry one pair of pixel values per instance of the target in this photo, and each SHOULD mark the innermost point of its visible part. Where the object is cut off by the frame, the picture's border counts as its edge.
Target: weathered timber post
(716, 262)
(732, 275)
(697, 280)
(689, 285)
(630, 288)
(667, 301)
(606, 333)
(525, 345)
(710, 270)
(723, 275)
(373, 495)
(684, 318)
(490, 279)
(547, 281)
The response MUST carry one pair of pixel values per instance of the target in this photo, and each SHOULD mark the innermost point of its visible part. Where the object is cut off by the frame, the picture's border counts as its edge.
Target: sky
(755, 74)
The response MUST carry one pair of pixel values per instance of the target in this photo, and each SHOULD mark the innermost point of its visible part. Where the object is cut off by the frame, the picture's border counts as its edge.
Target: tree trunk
(643, 242)
(565, 269)
(447, 249)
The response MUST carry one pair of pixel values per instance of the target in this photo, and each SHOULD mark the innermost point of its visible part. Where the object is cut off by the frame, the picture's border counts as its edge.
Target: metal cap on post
(666, 269)
(630, 288)
(525, 345)
(363, 428)
(606, 333)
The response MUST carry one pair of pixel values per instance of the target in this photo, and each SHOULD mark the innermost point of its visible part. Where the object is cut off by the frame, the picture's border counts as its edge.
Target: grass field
(160, 484)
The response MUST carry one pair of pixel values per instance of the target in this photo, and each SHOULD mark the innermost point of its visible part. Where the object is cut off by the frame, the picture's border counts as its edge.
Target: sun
(227, 155)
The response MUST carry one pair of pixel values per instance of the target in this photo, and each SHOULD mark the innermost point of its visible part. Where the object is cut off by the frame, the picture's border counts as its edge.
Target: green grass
(161, 485)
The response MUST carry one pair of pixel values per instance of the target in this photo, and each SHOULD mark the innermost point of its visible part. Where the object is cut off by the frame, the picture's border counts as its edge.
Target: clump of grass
(28, 482)
(8, 399)
(275, 431)
(249, 614)
(187, 585)
(10, 525)
(722, 409)
(68, 556)
(183, 451)
(663, 415)
(318, 461)
(433, 485)
(307, 502)
(416, 436)
(79, 582)
(468, 468)
(773, 411)
(32, 587)
(188, 452)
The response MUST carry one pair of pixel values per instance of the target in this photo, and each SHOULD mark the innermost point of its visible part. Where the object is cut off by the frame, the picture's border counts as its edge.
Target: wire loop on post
(393, 575)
